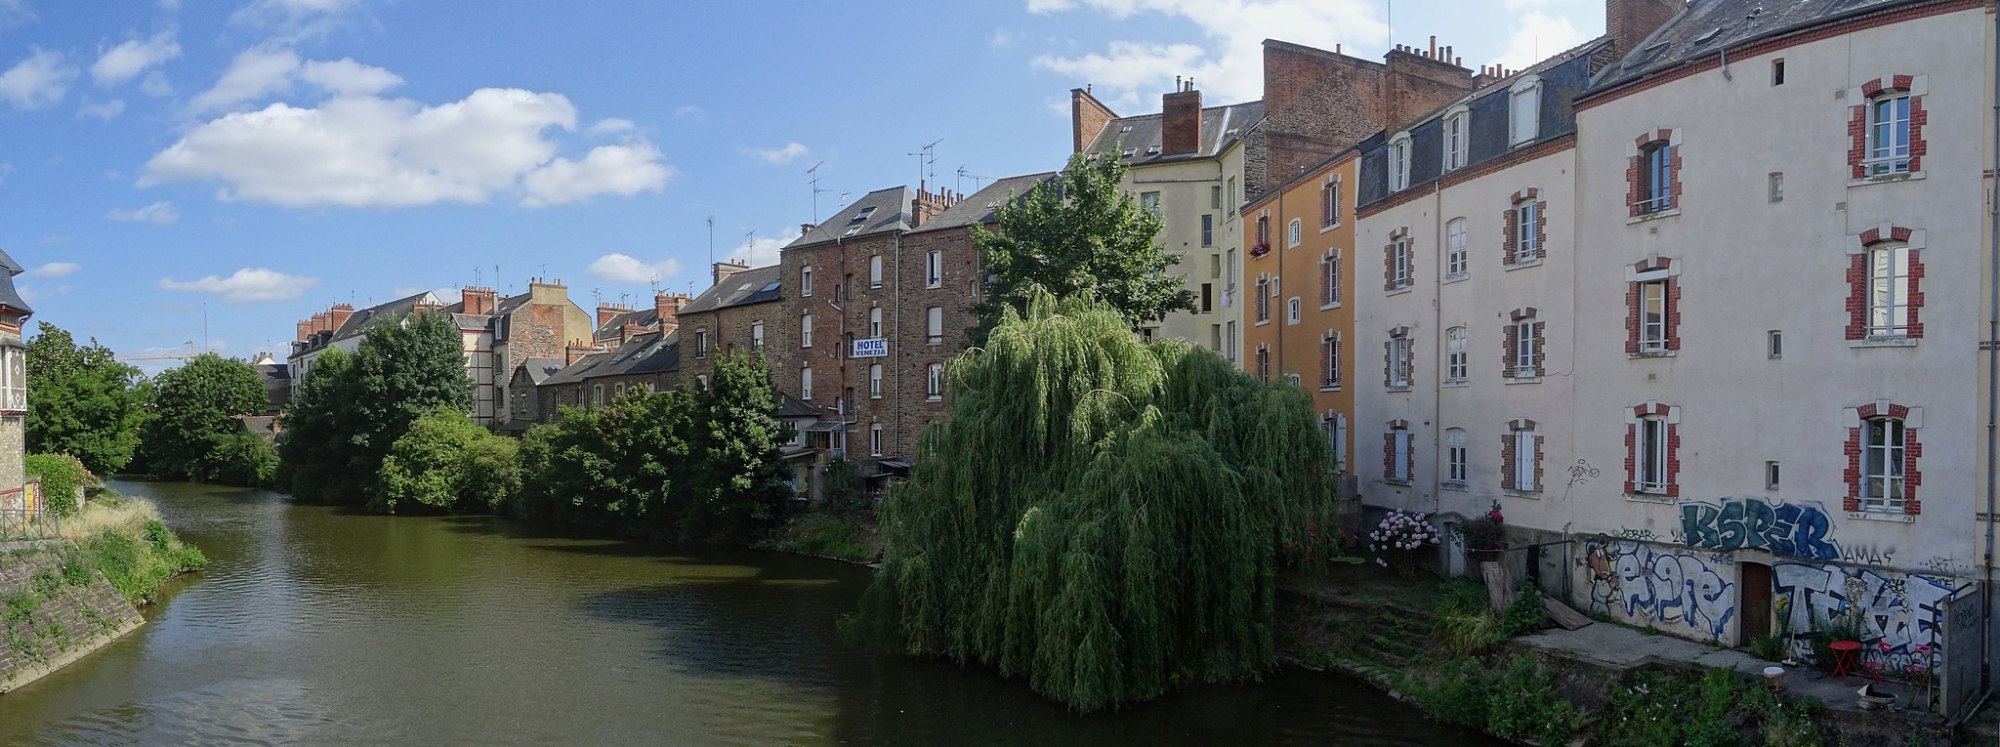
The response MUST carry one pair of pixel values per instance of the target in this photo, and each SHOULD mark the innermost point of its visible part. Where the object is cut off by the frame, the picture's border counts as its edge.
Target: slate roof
(8, 295)
(1220, 126)
(752, 286)
(876, 212)
(540, 369)
(643, 317)
(367, 318)
(790, 408)
(978, 208)
(1705, 27)
(647, 353)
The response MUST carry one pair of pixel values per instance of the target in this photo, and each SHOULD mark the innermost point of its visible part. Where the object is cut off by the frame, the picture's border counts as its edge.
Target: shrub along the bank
(448, 461)
(125, 539)
(193, 431)
(62, 477)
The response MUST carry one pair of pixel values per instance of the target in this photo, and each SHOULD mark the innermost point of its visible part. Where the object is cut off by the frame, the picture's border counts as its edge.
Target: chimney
(928, 204)
(1629, 22)
(338, 316)
(305, 330)
(667, 306)
(1180, 120)
(605, 311)
(1087, 118)
(478, 300)
(729, 267)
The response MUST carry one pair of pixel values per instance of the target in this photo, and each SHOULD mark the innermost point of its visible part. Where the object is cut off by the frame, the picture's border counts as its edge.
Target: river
(320, 625)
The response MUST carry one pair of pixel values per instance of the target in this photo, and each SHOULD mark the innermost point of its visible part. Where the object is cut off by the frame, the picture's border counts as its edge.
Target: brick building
(14, 312)
(735, 315)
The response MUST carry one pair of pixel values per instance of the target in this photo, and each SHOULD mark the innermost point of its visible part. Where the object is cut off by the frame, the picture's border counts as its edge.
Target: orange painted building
(1298, 316)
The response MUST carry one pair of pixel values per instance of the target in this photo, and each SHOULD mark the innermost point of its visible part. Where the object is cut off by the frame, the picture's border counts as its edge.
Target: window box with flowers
(1486, 536)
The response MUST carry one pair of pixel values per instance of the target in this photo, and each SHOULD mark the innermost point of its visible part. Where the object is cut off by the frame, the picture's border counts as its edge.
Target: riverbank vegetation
(82, 402)
(193, 429)
(1102, 516)
(125, 539)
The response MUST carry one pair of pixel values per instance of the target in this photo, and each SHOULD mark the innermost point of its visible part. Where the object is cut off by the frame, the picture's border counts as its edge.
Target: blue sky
(252, 161)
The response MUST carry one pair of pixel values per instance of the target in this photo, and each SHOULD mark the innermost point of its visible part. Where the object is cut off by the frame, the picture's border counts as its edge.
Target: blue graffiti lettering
(1788, 529)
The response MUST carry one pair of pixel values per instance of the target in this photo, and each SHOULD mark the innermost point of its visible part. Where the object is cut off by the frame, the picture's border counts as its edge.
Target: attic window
(854, 230)
(1708, 37)
(863, 215)
(1126, 128)
(1152, 150)
(769, 287)
(1130, 152)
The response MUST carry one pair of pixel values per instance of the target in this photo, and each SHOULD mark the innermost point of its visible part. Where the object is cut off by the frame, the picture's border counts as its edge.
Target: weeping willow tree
(1102, 516)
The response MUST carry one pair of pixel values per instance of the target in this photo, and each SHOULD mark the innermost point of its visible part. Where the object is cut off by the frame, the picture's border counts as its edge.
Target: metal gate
(1964, 621)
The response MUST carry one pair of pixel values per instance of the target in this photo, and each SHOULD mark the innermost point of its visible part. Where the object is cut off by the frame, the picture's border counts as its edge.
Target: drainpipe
(1437, 329)
(1992, 365)
(896, 370)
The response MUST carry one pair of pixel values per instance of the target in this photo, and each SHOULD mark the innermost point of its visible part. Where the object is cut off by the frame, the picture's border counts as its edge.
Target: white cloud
(608, 169)
(1230, 66)
(624, 268)
(1539, 35)
(156, 85)
(1002, 39)
(247, 284)
(159, 213)
(36, 82)
(293, 19)
(35, 294)
(781, 156)
(55, 270)
(127, 60)
(253, 75)
(345, 77)
(612, 126)
(692, 112)
(367, 151)
(106, 110)
(761, 251)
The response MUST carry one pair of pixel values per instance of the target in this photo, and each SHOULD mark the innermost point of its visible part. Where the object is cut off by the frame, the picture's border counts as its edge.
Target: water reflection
(316, 624)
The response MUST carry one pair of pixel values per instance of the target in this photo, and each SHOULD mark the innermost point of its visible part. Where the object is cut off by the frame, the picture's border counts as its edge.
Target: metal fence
(25, 516)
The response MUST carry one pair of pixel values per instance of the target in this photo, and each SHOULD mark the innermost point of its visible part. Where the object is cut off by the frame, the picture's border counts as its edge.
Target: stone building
(735, 315)
(650, 361)
(14, 313)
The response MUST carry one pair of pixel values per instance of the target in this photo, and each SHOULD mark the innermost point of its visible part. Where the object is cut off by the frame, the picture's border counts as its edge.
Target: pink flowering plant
(1398, 537)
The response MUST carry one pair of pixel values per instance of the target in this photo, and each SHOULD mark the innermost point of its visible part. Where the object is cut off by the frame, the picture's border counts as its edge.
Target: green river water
(320, 625)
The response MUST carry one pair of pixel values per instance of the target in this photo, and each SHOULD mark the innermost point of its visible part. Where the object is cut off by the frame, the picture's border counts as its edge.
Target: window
(13, 378)
(1292, 236)
(1778, 76)
(1456, 143)
(1770, 475)
(1888, 134)
(618, 390)
(1653, 316)
(1336, 439)
(1527, 234)
(806, 384)
(806, 280)
(1232, 196)
(1649, 447)
(934, 382)
(934, 325)
(1522, 460)
(1329, 360)
(1774, 344)
(1455, 356)
(1207, 230)
(934, 269)
(1455, 264)
(1882, 453)
(757, 335)
(597, 395)
(874, 439)
(875, 381)
(1399, 363)
(1229, 346)
(1656, 178)
(1215, 198)
(1524, 111)
(1888, 290)
(1399, 163)
(1399, 455)
(1776, 192)
(1454, 458)
(1329, 280)
(1230, 267)
(1264, 363)
(805, 330)
(1524, 348)
(1292, 310)
(701, 343)
(875, 271)
(1150, 202)
(1329, 204)
(1399, 263)
(1263, 233)
(1263, 299)
(1207, 297)
(840, 291)
(875, 321)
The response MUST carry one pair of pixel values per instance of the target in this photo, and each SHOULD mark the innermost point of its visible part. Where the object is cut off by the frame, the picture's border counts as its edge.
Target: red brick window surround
(1329, 203)
(1329, 279)
(1263, 245)
(1329, 360)
(1399, 457)
(1398, 359)
(1653, 174)
(1653, 307)
(1652, 451)
(1263, 298)
(1521, 457)
(1885, 127)
(1885, 297)
(1525, 357)
(1527, 238)
(1398, 262)
(1882, 455)
(1264, 362)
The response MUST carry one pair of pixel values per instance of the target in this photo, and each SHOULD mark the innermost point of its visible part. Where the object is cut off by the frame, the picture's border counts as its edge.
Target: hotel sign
(872, 347)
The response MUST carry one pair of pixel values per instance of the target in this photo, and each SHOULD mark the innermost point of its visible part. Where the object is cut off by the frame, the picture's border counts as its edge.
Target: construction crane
(183, 357)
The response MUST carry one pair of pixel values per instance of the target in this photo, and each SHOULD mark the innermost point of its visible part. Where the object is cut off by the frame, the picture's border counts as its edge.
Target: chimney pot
(805, 228)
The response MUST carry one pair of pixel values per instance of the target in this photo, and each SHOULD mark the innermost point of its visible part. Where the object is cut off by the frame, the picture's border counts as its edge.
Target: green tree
(612, 467)
(193, 413)
(1103, 516)
(82, 401)
(316, 451)
(448, 461)
(1079, 235)
(740, 481)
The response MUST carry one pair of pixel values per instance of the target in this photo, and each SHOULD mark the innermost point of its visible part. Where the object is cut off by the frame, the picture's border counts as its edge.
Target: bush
(137, 560)
(447, 461)
(63, 476)
(242, 459)
(1518, 702)
(1768, 648)
(1526, 615)
(827, 535)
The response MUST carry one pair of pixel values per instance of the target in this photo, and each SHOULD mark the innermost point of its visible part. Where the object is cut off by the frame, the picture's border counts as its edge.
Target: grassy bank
(126, 540)
(825, 534)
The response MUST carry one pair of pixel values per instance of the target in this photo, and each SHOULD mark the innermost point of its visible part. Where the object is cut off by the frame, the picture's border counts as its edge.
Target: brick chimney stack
(338, 316)
(729, 267)
(1629, 22)
(1180, 119)
(305, 330)
(668, 307)
(478, 300)
(605, 311)
(927, 204)
(1087, 117)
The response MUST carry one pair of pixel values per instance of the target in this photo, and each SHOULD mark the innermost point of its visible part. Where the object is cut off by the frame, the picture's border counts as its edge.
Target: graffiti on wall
(1789, 529)
(1661, 586)
(1902, 615)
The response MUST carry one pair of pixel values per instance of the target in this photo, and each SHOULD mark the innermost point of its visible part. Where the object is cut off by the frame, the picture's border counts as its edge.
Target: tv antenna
(711, 248)
(962, 176)
(926, 158)
(814, 173)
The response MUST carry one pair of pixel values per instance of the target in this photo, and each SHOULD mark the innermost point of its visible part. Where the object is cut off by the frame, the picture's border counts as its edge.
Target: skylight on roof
(863, 215)
(854, 230)
(1126, 128)
(1710, 36)
(770, 287)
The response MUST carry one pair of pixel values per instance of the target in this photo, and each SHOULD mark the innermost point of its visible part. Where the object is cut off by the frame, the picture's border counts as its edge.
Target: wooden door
(1753, 605)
